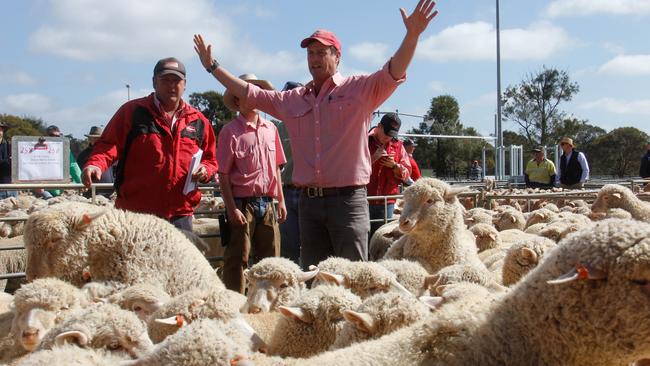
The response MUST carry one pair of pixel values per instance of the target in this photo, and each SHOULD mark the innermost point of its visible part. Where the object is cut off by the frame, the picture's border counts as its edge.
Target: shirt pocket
(247, 159)
(301, 119)
(342, 112)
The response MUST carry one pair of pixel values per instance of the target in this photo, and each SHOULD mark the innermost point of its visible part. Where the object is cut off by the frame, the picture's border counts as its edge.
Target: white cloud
(16, 77)
(627, 65)
(619, 106)
(614, 48)
(436, 86)
(373, 53)
(29, 104)
(145, 30)
(477, 42)
(560, 8)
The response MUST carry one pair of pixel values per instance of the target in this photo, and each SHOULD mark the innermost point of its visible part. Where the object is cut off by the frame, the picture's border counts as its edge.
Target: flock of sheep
(565, 285)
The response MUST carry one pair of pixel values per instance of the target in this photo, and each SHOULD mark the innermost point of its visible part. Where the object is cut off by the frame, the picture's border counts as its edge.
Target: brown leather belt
(316, 192)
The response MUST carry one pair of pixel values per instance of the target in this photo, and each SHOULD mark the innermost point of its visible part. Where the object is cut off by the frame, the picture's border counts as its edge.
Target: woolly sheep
(611, 213)
(408, 273)
(331, 265)
(274, 281)
(313, 322)
(458, 273)
(263, 323)
(11, 261)
(478, 216)
(39, 306)
(382, 239)
(65, 239)
(617, 196)
(364, 279)
(435, 234)
(487, 236)
(522, 257)
(204, 342)
(542, 215)
(593, 288)
(142, 299)
(67, 355)
(104, 326)
(509, 219)
(378, 315)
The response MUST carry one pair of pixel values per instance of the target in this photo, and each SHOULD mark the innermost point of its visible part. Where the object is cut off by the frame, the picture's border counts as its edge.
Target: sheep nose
(30, 336)
(254, 309)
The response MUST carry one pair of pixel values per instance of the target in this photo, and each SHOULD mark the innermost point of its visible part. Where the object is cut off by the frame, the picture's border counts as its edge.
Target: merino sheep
(458, 273)
(435, 234)
(382, 239)
(478, 216)
(331, 265)
(313, 322)
(378, 315)
(204, 342)
(364, 279)
(542, 215)
(487, 236)
(67, 354)
(103, 327)
(274, 281)
(39, 306)
(509, 219)
(611, 213)
(522, 257)
(586, 304)
(617, 196)
(142, 299)
(191, 306)
(66, 239)
(409, 273)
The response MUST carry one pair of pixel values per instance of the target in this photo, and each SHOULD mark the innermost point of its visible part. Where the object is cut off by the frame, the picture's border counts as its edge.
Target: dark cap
(409, 142)
(4, 125)
(391, 124)
(538, 149)
(53, 130)
(95, 131)
(169, 65)
(291, 85)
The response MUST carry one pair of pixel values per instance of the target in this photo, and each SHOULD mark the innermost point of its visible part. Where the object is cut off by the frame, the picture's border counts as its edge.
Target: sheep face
(429, 202)
(273, 282)
(30, 326)
(611, 196)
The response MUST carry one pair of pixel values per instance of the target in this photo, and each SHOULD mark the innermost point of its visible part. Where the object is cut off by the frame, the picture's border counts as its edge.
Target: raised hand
(418, 21)
(204, 52)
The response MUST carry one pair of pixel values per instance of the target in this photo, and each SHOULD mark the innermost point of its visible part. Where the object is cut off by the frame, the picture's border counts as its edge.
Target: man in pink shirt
(250, 153)
(327, 121)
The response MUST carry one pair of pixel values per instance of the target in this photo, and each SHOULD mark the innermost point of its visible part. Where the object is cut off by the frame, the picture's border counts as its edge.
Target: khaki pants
(259, 236)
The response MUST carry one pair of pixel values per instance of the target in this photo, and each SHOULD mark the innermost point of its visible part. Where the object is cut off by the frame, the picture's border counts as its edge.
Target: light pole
(128, 92)
(500, 153)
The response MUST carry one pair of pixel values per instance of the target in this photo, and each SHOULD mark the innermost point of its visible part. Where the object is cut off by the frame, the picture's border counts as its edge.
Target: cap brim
(305, 42)
(93, 135)
(392, 133)
(173, 72)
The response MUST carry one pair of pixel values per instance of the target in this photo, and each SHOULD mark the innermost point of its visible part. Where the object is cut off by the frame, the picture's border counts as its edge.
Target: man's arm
(234, 214)
(585, 167)
(234, 84)
(282, 208)
(415, 24)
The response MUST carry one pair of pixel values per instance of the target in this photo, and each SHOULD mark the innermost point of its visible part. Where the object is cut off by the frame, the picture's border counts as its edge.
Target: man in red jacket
(409, 146)
(155, 139)
(390, 167)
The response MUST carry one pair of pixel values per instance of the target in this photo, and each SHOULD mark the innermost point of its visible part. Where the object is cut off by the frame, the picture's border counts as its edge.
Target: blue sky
(68, 61)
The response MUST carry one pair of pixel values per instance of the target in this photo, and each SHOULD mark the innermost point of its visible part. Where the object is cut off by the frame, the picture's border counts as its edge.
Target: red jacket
(415, 169)
(158, 160)
(383, 181)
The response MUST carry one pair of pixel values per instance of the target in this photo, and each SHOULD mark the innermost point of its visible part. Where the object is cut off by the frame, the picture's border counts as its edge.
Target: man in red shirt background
(390, 167)
(409, 146)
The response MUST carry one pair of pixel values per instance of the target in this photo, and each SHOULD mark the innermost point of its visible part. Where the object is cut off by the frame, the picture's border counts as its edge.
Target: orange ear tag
(583, 272)
(86, 219)
(86, 276)
(179, 320)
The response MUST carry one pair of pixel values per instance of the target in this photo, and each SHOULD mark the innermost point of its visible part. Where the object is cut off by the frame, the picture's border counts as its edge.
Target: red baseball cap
(323, 36)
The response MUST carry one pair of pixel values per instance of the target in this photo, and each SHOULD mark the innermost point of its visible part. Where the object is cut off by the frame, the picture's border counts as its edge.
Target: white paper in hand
(190, 185)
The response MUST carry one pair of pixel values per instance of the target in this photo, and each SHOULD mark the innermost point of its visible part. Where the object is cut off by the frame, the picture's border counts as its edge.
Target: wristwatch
(213, 66)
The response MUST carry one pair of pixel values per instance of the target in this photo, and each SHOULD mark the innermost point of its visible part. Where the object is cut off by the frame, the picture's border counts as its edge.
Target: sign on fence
(40, 159)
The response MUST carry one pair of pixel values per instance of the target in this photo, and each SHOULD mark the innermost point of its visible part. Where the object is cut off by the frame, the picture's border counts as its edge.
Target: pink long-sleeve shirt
(250, 155)
(328, 132)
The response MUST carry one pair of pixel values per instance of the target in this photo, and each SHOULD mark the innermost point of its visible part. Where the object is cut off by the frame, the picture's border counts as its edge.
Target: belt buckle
(314, 192)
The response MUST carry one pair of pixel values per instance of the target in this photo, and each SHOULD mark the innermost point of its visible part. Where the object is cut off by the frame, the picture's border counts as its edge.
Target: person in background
(390, 168)
(157, 140)
(250, 154)
(75, 171)
(644, 170)
(5, 161)
(328, 120)
(475, 172)
(540, 172)
(574, 168)
(409, 146)
(107, 176)
(290, 228)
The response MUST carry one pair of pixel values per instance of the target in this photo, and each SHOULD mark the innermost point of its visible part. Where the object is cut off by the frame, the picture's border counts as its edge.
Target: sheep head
(273, 282)
(612, 196)
(429, 202)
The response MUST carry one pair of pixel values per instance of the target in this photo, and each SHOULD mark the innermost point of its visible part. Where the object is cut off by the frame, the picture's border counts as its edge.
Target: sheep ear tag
(177, 320)
(82, 221)
(296, 313)
(362, 321)
(579, 272)
(73, 336)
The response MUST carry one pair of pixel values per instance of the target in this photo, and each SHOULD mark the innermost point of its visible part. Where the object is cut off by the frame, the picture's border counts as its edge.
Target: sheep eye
(114, 346)
(284, 285)
(430, 201)
(137, 308)
(639, 282)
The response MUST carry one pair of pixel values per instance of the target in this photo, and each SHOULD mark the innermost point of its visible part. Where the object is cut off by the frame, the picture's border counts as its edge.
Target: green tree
(617, 152)
(533, 103)
(210, 103)
(23, 126)
(582, 133)
(444, 114)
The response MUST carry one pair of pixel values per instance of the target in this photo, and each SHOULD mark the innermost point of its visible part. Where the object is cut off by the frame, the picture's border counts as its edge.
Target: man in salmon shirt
(327, 121)
(154, 139)
(250, 154)
(390, 167)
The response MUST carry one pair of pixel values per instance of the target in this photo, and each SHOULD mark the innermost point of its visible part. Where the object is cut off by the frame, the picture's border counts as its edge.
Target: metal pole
(128, 92)
(500, 136)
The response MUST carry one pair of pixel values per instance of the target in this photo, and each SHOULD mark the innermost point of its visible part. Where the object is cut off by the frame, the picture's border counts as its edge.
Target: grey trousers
(335, 225)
